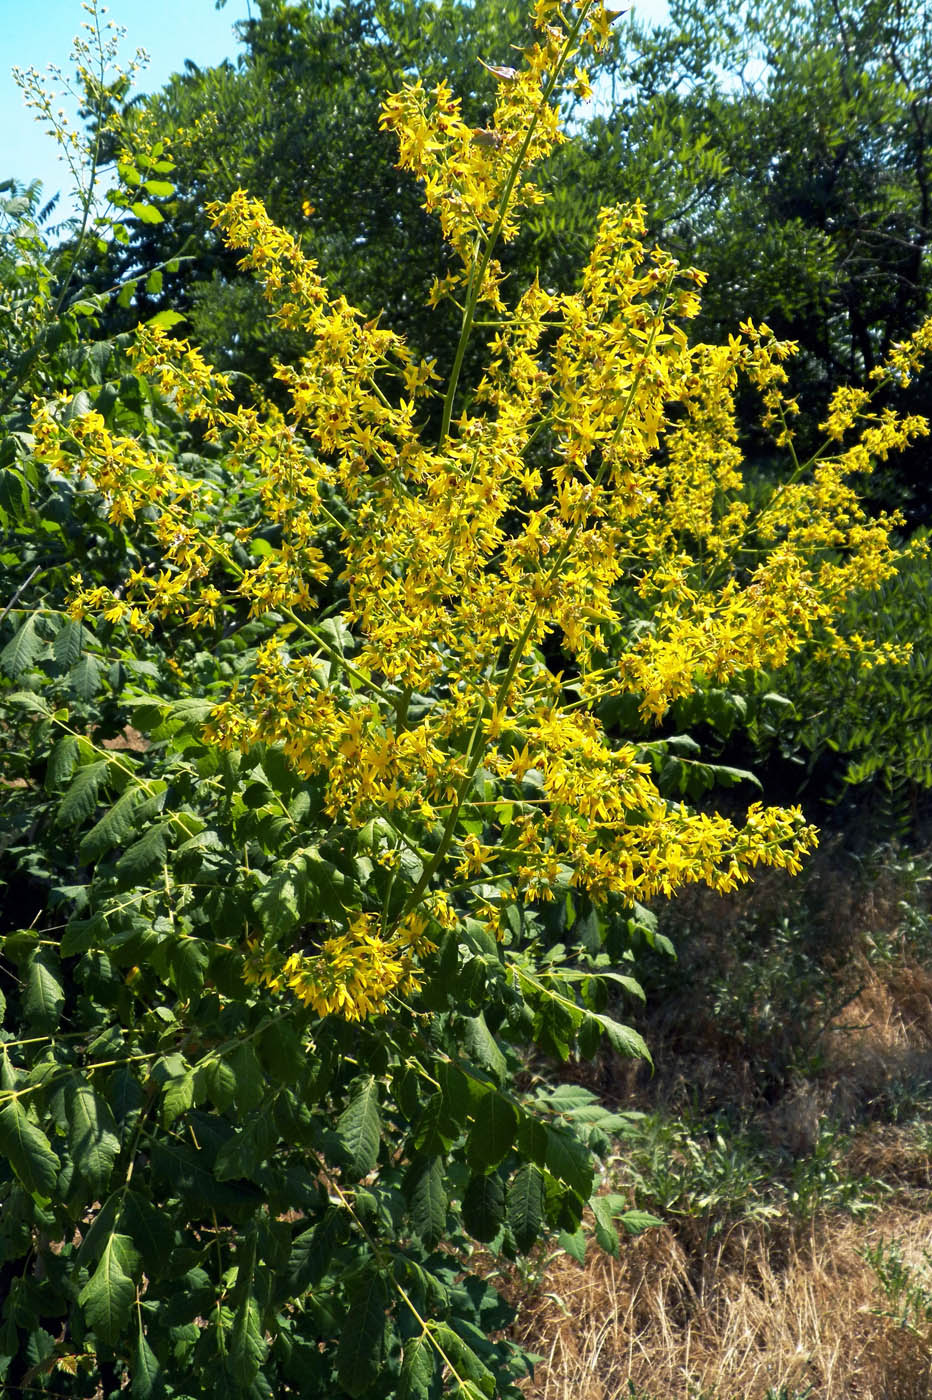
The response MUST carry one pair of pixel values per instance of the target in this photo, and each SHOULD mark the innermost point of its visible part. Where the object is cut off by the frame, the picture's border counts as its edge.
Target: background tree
(297, 120)
(784, 148)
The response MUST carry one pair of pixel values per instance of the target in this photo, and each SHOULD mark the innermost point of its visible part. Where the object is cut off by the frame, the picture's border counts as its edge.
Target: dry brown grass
(767, 1309)
(755, 1315)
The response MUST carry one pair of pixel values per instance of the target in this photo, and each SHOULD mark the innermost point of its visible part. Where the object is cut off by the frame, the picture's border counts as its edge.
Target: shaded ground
(786, 1138)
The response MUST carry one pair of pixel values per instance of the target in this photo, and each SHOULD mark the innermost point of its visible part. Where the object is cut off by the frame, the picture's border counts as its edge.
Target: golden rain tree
(362, 858)
(479, 553)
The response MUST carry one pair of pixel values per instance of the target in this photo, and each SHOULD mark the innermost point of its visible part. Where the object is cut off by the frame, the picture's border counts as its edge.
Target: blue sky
(40, 32)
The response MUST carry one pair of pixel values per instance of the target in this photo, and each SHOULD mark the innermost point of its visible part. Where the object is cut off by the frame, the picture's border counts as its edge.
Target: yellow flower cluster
(579, 528)
(353, 974)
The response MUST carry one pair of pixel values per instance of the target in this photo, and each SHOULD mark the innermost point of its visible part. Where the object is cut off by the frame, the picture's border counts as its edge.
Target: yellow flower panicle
(594, 478)
(353, 974)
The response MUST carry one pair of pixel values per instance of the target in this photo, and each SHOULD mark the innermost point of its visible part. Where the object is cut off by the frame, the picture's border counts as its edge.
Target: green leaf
(492, 1133)
(311, 1251)
(362, 1344)
(44, 995)
(428, 1199)
(14, 494)
(484, 1207)
(164, 320)
(61, 762)
(149, 1227)
(730, 777)
(81, 798)
(247, 1344)
(623, 1040)
(566, 1158)
(251, 1087)
(83, 934)
(359, 1128)
(143, 856)
(282, 1053)
(575, 1244)
(69, 642)
(417, 1369)
(28, 699)
(280, 902)
(84, 677)
(637, 1221)
(92, 1133)
(525, 1205)
(219, 1081)
(154, 282)
(159, 189)
(483, 1047)
(464, 1359)
(605, 1233)
(177, 1097)
(113, 827)
(23, 650)
(147, 213)
(108, 1295)
(28, 1150)
(147, 1383)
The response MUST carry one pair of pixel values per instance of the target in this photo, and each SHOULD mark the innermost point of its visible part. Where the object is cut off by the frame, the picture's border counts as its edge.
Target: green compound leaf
(108, 1295)
(525, 1205)
(359, 1129)
(28, 1150)
(362, 1345)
